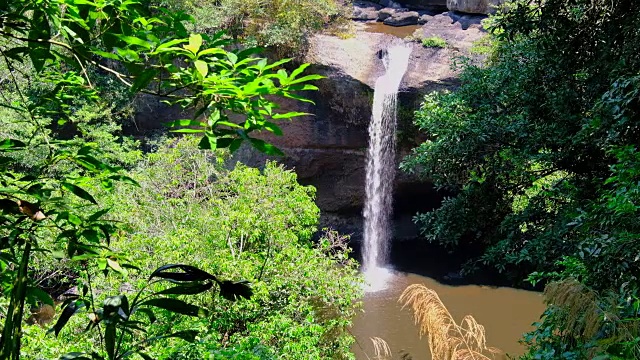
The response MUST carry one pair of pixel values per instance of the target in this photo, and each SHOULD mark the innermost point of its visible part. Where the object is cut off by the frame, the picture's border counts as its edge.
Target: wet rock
(403, 18)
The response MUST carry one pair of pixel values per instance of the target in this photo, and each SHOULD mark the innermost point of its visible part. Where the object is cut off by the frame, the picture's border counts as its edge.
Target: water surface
(505, 313)
(398, 31)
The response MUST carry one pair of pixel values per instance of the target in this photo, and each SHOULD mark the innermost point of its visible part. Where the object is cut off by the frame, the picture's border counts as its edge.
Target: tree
(47, 208)
(540, 149)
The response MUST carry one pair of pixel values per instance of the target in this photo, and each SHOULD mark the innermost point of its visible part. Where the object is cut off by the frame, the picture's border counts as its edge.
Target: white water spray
(381, 167)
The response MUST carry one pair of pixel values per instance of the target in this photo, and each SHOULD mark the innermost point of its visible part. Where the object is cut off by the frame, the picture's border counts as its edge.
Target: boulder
(365, 10)
(424, 18)
(474, 6)
(402, 18)
(386, 13)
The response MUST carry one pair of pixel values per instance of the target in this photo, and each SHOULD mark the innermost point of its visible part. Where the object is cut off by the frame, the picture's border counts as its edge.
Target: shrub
(241, 223)
(434, 42)
(283, 25)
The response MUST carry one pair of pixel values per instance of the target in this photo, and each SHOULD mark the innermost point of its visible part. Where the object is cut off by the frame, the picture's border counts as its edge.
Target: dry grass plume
(447, 339)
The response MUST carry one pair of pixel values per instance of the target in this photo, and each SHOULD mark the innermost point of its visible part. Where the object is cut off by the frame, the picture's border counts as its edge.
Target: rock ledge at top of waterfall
(417, 12)
(429, 69)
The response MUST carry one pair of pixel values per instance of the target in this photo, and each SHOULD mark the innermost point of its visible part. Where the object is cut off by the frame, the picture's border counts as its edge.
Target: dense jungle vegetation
(160, 248)
(173, 253)
(540, 148)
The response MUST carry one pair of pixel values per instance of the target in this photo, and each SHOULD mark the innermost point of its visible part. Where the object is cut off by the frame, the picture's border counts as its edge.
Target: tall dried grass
(447, 339)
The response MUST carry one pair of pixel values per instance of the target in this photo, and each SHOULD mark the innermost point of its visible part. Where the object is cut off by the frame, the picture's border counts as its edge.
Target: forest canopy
(539, 147)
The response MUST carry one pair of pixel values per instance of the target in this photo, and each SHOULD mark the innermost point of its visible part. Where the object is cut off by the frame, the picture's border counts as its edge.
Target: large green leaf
(265, 147)
(67, 313)
(39, 46)
(79, 192)
(143, 80)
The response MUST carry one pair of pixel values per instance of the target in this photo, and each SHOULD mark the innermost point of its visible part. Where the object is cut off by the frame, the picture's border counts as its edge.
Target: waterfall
(381, 166)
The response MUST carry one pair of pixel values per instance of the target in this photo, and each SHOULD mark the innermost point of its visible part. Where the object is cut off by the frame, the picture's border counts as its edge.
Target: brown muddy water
(505, 313)
(398, 31)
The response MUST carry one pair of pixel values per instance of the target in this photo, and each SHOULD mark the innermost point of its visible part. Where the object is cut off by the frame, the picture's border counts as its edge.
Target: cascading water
(381, 167)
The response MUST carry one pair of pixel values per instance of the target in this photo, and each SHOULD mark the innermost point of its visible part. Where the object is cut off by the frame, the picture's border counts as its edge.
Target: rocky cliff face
(328, 149)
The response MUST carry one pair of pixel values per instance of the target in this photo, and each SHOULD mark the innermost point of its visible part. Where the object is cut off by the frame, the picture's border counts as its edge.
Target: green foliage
(284, 26)
(539, 151)
(51, 106)
(241, 223)
(434, 42)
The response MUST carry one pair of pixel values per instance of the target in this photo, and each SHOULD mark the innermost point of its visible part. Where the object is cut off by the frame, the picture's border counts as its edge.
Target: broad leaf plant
(49, 209)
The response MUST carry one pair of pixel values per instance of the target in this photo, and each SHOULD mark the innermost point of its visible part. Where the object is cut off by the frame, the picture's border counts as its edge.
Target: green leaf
(125, 179)
(289, 115)
(212, 51)
(195, 42)
(145, 356)
(185, 122)
(79, 192)
(116, 267)
(232, 57)
(10, 144)
(110, 340)
(39, 47)
(202, 67)
(39, 294)
(148, 312)
(188, 131)
(298, 71)
(208, 143)
(273, 128)
(176, 306)
(275, 64)
(169, 44)
(67, 312)
(249, 51)
(306, 78)
(235, 145)
(132, 40)
(143, 80)
(98, 214)
(265, 147)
